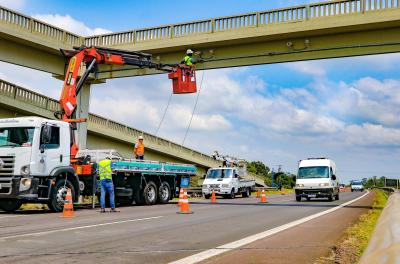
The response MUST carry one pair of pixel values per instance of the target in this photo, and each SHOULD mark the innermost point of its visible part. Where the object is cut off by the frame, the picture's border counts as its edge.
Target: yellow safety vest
(188, 60)
(105, 171)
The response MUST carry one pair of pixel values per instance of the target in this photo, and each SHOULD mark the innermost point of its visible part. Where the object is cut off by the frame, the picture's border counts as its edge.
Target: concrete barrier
(384, 246)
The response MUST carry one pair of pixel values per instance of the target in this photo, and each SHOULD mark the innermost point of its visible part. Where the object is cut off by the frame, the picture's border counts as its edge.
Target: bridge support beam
(82, 111)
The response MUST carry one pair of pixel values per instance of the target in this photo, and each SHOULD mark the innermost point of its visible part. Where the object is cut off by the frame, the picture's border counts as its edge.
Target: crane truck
(40, 159)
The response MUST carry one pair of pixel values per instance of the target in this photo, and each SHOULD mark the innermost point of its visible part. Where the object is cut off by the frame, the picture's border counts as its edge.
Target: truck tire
(246, 193)
(139, 198)
(298, 198)
(232, 194)
(150, 193)
(164, 193)
(10, 205)
(58, 193)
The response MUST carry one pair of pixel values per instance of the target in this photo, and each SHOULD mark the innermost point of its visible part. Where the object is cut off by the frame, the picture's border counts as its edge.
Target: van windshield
(219, 174)
(356, 183)
(16, 136)
(313, 172)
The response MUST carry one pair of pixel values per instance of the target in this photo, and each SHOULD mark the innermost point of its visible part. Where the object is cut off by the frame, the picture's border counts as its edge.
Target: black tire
(298, 198)
(308, 199)
(207, 196)
(352, 190)
(330, 198)
(246, 193)
(58, 193)
(164, 193)
(123, 201)
(150, 193)
(10, 205)
(232, 194)
(337, 197)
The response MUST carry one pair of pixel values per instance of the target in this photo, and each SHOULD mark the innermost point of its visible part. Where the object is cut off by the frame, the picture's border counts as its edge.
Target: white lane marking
(79, 227)
(247, 240)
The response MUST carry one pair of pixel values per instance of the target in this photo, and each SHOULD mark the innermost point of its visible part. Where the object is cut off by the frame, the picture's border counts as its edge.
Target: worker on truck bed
(189, 60)
(106, 183)
(139, 149)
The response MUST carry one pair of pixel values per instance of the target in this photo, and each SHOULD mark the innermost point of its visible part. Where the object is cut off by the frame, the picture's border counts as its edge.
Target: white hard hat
(140, 137)
(189, 51)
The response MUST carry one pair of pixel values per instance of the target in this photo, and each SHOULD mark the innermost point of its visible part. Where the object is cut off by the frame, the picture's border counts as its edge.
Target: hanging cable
(194, 108)
(163, 117)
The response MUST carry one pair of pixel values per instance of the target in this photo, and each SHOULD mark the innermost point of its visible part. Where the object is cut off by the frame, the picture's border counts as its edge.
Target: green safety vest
(188, 60)
(105, 171)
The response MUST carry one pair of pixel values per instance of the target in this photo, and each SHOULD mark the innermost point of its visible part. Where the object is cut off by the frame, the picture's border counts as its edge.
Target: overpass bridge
(103, 133)
(332, 29)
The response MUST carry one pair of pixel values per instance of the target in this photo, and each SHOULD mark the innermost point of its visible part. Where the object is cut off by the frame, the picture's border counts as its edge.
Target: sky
(346, 109)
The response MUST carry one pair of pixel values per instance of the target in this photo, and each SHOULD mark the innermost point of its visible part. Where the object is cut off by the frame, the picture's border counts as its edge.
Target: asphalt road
(142, 234)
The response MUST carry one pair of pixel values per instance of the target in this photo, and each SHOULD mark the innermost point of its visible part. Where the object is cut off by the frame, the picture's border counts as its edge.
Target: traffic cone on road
(185, 209)
(213, 197)
(180, 197)
(258, 193)
(263, 197)
(68, 210)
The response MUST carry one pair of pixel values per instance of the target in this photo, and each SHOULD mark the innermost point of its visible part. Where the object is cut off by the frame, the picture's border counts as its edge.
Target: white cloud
(309, 68)
(70, 24)
(13, 4)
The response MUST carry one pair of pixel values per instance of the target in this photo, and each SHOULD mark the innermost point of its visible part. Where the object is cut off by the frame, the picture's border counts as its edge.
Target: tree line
(271, 178)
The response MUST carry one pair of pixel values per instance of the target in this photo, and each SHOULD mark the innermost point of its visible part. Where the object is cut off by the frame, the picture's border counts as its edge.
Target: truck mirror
(333, 177)
(204, 176)
(236, 175)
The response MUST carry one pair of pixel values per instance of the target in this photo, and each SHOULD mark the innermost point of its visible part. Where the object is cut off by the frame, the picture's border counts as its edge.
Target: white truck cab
(227, 181)
(316, 178)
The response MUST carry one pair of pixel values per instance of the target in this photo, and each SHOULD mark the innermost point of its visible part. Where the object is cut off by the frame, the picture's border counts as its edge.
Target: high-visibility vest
(105, 171)
(188, 60)
(139, 148)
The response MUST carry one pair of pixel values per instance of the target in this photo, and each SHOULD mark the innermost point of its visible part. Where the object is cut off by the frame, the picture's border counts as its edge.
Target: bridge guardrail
(36, 99)
(385, 241)
(219, 24)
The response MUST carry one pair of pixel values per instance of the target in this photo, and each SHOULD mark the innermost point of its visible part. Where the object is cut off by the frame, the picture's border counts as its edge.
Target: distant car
(357, 186)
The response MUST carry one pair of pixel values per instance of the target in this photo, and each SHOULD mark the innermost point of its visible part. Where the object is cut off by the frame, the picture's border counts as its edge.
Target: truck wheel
(150, 193)
(58, 193)
(164, 193)
(207, 196)
(10, 205)
(246, 193)
(298, 198)
(232, 195)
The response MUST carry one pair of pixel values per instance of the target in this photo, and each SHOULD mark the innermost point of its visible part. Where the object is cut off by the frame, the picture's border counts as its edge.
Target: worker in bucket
(139, 149)
(189, 60)
(106, 184)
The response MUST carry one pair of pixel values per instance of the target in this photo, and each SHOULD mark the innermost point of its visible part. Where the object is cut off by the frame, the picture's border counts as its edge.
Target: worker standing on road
(106, 183)
(139, 149)
(189, 60)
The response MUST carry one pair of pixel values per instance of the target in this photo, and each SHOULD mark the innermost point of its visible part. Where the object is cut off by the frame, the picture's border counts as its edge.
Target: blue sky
(347, 109)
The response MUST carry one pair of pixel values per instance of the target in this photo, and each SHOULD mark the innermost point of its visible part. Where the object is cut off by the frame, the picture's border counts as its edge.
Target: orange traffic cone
(185, 205)
(263, 197)
(258, 193)
(180, 197)
(68, 210)
(213, 198)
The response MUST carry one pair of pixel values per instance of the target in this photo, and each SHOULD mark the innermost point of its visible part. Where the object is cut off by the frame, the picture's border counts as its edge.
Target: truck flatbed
(148, 166)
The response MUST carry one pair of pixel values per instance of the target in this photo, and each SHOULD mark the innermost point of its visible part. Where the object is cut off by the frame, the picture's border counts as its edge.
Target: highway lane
(141, 234)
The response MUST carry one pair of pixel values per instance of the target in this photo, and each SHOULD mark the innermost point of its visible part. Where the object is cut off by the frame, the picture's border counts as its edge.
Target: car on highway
(316, 178)
(357, 186)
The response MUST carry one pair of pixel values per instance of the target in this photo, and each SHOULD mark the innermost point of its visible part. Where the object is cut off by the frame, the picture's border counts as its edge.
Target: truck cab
(316, 178)
(34, 158)
(227, 181)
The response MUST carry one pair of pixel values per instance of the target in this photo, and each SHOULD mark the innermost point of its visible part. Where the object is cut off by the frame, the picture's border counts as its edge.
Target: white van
(316, 178)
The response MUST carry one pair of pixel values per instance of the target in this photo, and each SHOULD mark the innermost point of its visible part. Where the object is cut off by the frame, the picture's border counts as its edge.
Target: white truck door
(235, 178)
(51, 151)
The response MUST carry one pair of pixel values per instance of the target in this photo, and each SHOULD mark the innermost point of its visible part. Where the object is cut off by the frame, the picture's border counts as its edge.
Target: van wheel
(308, 198)
(58, 193)
(10, 205)
(164, 193)
(232, 194)
(337, 197)
(298, 198)
(150, 193)
(246, 193)
(330, 198)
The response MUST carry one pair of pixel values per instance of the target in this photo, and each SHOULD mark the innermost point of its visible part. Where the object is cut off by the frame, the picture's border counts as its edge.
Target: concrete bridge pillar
(82, 111)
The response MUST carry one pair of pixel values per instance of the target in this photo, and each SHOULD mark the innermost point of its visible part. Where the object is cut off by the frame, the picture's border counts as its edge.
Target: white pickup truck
(227, 181)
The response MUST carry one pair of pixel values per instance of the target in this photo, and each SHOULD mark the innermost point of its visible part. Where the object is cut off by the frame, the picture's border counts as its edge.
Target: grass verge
(351, 247)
